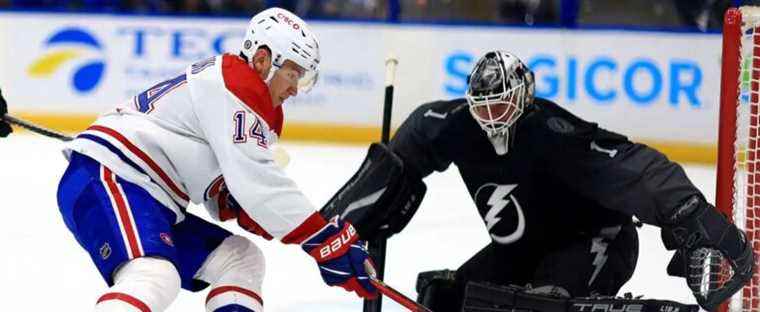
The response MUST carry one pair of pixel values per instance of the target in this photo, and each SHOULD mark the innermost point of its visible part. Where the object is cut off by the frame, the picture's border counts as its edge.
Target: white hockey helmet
(288, 38)
(499, 89)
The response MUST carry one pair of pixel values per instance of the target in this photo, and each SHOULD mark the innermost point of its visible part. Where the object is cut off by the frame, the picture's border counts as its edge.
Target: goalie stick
(377, 247)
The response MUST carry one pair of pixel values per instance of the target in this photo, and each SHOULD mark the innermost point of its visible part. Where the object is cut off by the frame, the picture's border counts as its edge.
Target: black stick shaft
(377, 247)
(35, 128)
(387, 109)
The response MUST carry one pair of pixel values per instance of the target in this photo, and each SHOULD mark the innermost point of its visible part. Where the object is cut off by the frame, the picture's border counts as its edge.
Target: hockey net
(738, 180)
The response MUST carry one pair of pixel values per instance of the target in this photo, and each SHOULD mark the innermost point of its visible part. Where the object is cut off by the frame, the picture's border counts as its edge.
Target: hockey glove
(710, 250)
(341, 257)
(227, 208)
(5, 128)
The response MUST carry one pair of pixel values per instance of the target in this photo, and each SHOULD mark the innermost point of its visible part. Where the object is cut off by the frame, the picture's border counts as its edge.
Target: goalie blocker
(381, 197)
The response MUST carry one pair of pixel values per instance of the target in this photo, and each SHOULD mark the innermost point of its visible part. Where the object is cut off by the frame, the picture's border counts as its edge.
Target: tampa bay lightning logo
(501, 212)
(68, 45)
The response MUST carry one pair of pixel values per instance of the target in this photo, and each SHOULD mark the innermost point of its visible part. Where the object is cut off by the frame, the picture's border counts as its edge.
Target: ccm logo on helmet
(288, 21)
(345, 238)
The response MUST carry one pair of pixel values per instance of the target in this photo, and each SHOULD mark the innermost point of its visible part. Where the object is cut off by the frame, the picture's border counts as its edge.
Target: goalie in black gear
(557, 194)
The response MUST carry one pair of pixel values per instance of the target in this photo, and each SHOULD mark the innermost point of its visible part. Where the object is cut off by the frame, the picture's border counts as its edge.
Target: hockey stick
(35, 128)
(377, 247)
(397, 296)
(389, 292)
(28, 125)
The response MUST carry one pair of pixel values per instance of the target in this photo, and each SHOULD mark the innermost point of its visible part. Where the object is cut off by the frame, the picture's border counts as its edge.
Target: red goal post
(738, 172)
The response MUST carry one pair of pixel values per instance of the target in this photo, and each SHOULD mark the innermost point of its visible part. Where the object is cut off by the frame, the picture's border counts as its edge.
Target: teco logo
(289, 21)
(338, 243)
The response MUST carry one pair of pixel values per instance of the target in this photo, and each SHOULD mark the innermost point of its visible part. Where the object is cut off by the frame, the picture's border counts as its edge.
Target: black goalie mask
(499, 89)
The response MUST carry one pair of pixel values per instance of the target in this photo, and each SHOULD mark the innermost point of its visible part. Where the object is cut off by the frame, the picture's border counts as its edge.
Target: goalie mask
(500, 87)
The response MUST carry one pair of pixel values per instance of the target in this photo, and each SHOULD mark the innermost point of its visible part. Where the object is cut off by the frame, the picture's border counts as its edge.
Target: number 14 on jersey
(255, 131)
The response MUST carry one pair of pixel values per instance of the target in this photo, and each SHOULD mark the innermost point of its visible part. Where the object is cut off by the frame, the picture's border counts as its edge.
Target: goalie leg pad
(602, 263)
(235, 271)
(142, 284)
(483, 297)
(437, 290)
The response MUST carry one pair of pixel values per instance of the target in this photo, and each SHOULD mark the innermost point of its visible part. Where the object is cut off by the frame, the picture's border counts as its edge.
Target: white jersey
(183, 139)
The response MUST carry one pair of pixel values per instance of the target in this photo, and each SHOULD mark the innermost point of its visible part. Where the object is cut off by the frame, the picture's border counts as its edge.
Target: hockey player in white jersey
(203, 137)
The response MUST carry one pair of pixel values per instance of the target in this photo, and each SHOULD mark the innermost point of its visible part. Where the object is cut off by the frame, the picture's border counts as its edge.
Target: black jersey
(561, 178)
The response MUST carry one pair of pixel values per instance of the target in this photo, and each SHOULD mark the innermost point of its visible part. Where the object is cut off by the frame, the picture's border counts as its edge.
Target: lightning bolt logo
(497, 202)
(500, 199)
(599, 247)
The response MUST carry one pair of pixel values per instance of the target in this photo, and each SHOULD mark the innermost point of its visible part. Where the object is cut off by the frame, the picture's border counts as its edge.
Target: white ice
(42, 268)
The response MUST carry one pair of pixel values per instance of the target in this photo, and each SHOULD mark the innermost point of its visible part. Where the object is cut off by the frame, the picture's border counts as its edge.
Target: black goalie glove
(712, 253)
(5, 128)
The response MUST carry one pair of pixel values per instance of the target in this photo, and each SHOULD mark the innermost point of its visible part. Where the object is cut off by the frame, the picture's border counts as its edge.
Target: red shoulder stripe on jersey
(223, 289)
(246, 85)
(144, 157)
(126, 298)
(313, 223)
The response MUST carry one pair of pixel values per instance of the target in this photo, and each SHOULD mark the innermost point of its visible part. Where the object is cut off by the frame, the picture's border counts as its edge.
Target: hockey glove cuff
(341, 257)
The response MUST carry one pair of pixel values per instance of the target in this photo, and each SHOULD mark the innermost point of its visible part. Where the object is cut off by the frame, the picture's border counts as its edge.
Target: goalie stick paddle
(28, 125)
(377, 247)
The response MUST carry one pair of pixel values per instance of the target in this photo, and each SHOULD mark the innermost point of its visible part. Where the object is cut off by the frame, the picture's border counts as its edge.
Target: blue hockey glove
(342, 257)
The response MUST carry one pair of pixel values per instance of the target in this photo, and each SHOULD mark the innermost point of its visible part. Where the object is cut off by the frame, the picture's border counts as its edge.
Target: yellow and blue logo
(66, 45)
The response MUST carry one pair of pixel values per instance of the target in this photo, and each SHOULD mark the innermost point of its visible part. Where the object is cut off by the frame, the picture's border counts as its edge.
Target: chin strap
(271, 73)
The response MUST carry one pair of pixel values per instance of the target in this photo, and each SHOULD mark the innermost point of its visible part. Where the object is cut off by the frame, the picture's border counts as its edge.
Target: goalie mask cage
(738, 174)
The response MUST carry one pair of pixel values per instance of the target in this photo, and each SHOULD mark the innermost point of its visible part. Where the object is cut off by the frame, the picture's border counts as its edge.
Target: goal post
(738, 167)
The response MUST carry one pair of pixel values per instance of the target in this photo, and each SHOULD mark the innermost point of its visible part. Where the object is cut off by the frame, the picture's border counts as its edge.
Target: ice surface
(42, 268)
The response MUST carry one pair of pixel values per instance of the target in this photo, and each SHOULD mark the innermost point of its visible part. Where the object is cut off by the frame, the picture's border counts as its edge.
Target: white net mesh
(746, 197)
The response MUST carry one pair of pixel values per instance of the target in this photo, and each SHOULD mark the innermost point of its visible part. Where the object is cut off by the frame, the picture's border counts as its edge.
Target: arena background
(647, 68)
(653, 74)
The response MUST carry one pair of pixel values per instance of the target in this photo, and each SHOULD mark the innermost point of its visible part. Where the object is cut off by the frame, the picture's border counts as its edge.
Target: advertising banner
(649, 85)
